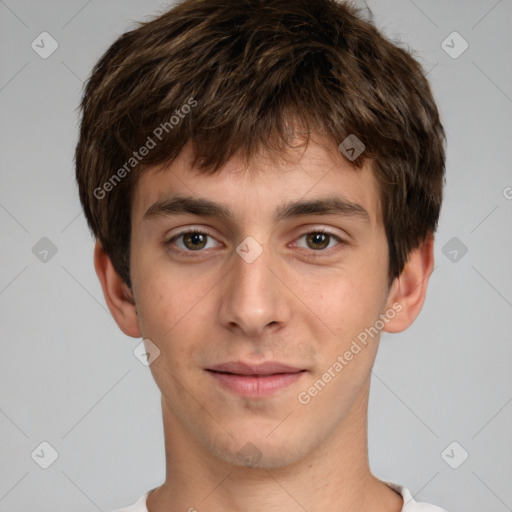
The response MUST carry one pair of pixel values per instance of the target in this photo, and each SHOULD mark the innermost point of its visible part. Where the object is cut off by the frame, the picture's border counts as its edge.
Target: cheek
(345, 302)
(173, 313)
(159, 308)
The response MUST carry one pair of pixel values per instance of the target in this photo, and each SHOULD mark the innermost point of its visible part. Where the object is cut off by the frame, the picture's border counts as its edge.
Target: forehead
(264, 186)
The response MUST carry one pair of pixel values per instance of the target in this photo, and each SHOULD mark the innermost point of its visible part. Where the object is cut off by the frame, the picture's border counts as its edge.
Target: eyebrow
(180, 205)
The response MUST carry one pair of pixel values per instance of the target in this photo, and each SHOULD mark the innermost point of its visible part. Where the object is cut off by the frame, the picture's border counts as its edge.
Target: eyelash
(189, 253)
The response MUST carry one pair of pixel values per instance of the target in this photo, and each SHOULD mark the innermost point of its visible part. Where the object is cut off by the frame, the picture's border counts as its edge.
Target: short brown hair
(247, 67)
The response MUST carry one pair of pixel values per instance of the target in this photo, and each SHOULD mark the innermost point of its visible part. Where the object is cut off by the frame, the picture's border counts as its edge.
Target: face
(260, 315)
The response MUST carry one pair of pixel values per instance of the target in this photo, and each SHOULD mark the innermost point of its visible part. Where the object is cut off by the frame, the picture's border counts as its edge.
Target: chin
(260, 451)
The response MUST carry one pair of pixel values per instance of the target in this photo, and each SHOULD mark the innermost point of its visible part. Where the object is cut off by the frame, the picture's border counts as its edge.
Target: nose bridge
(252, 296)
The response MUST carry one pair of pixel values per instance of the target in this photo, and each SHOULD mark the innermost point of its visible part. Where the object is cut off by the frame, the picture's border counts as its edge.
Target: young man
(264, 179)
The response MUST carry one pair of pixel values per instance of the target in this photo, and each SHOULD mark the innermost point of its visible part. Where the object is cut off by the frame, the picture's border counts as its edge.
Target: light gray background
(69, 376)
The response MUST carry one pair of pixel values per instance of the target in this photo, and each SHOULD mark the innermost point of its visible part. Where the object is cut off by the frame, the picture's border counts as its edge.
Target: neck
(335, 477)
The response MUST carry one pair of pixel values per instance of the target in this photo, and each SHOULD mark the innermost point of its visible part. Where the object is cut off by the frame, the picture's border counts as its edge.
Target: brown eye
(318, 240)
(191, 241)
(194, 241)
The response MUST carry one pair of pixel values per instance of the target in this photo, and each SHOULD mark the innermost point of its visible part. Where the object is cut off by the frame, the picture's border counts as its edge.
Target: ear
(118, 296)
(409, 289)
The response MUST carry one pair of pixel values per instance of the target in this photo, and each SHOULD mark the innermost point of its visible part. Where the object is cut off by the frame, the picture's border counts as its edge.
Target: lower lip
(256, 386)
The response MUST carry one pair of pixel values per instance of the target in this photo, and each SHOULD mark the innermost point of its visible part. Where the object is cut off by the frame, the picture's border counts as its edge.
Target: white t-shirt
(410, 505)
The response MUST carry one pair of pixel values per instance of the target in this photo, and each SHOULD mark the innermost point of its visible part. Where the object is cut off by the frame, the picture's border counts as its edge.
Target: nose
(254, 298)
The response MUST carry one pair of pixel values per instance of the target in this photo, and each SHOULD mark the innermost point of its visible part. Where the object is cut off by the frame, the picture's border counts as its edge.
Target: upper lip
(266, 368)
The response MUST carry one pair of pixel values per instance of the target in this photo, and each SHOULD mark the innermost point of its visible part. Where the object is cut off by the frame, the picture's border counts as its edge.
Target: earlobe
(118, 296)
(410, 287)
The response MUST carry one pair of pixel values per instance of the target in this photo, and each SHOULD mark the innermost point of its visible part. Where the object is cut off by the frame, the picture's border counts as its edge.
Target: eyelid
(341, 240)
(187, 231)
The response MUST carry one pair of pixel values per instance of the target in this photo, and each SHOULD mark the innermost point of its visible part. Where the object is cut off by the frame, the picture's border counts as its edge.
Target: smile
(255, 381)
